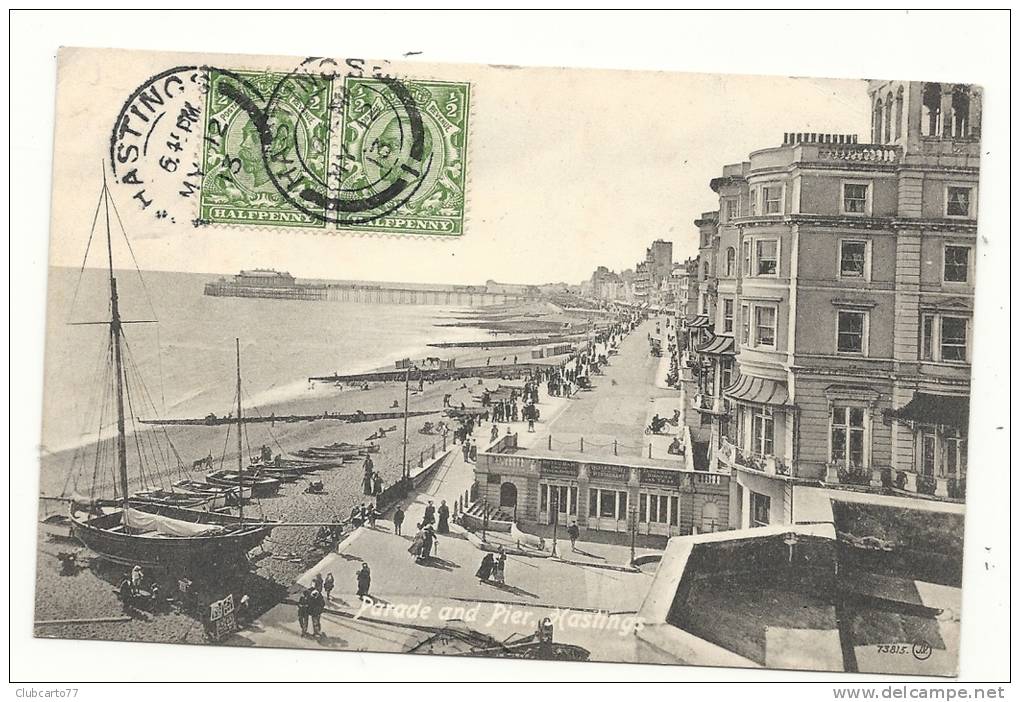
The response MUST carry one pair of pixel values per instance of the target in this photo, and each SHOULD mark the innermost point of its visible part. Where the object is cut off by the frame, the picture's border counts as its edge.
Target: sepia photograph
(488, 361)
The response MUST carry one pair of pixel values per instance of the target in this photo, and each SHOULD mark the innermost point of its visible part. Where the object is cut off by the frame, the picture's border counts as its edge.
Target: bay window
(767, 257)
(764, 326)
(763, 431)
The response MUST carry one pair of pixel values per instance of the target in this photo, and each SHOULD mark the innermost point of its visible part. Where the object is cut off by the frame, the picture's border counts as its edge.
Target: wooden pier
(503, 370)
(349, 417)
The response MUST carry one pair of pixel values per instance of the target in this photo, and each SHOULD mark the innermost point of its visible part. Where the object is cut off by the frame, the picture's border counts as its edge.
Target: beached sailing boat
(133, 531)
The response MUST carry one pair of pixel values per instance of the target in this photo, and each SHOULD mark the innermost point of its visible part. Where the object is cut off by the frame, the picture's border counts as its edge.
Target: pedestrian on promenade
(430, 514)
(317, 582)
(499, 570)
(327, 586)
(573, 532)
(494, 434)
(428, 539)
(371, 515)
(485, 569)
(315, 606)
(415, 548)
(398, 520)
(444, 518)
(302, 611)
(364, 581)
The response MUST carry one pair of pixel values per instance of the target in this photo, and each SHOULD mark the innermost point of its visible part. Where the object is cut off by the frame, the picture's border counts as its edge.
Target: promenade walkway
(619, 407)
(591, 605)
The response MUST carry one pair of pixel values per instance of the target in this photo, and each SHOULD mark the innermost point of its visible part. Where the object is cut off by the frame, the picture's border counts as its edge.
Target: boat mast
(115, 334)
(240, 473)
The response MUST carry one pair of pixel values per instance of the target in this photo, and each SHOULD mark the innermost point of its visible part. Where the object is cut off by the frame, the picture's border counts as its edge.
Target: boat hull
(101, 536)
(260, 487)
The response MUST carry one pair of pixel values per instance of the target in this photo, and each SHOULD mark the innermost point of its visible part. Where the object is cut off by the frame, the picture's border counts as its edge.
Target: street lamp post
(633, 532)
(407, 395)
(555, 504)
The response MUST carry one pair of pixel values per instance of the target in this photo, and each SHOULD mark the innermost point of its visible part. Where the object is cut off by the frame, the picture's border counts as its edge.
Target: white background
(962, 47)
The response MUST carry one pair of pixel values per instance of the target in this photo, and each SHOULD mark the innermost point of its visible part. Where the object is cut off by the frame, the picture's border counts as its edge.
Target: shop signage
(616, 474)
(667, 478)
(559, 469)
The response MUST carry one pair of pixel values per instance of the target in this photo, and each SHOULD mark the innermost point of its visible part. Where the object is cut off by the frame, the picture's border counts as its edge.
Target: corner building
(842, 284)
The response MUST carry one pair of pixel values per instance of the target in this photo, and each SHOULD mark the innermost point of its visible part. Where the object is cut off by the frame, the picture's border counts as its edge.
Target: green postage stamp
(356, 153)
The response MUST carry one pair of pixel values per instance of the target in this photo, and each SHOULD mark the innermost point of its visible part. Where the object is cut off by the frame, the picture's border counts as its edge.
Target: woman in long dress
(415, 548)
(498, 572)
(485, 569)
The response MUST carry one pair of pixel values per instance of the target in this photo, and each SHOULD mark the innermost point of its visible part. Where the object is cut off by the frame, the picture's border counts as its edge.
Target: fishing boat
(139, 532)
(231, 494)
(259, 486)
(180, 498)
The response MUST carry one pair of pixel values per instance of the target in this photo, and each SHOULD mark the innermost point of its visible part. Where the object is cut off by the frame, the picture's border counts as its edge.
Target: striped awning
(928, 408)
(762, 391)
(718, 346)
(697, 320)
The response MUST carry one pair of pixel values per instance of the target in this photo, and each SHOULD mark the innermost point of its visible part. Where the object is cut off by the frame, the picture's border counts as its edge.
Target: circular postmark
(284, 157)
(921, 650)
(156, 140)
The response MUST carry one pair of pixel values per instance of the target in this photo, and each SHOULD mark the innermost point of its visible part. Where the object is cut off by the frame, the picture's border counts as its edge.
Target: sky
(568, 169)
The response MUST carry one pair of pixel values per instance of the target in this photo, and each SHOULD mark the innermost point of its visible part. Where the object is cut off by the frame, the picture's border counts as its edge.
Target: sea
(180, 346)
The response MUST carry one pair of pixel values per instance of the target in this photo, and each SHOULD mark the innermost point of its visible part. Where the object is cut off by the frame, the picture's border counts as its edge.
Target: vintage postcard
(472, 360)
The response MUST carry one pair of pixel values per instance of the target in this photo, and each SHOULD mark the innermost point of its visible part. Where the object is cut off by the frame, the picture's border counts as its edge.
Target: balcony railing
(873, 153)
(767, 464)
(951, 487)
(709, 403)
(851, 473)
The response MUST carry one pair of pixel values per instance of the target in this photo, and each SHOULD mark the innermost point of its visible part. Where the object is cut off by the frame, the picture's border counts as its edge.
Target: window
(954, 339)
(944, 338)
(928, 454)
(755, 193)
(731, 261)
(725, 373)
(727, 315)
(958, 201)
(931, 110)
(850, 331)
(607, 505)
(957, 264)
(768, 257)
(961, 112)
(593, 503)
(763, 429)
(772, 199)
(760, 506)
(943, 453)
(956, 453)
(888, 118)
(855, 198)
(732, 209)
(765, 326)
(899, 112)
(853, 259)
(747, 256)
(745, 325)
(709, 517)
(847, 433)
(876, 121)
